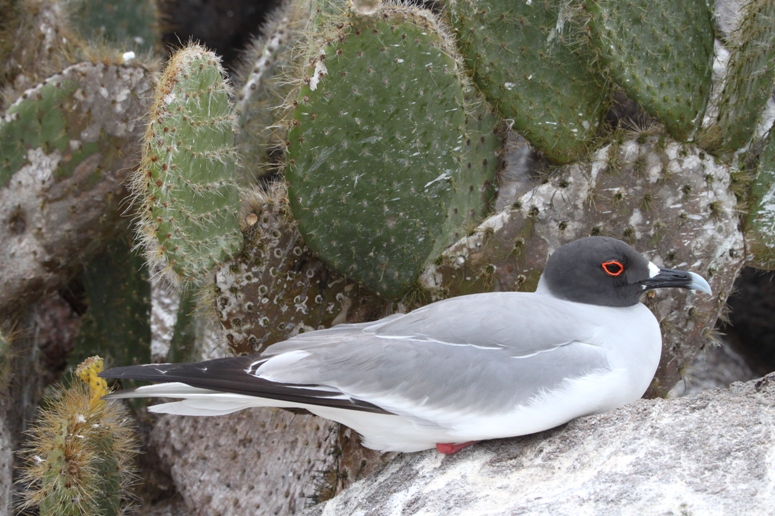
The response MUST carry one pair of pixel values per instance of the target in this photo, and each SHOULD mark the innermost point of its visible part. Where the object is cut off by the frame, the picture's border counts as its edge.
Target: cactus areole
(378, 168)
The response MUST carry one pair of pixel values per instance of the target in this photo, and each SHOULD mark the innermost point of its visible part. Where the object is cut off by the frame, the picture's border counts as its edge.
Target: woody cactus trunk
(352, 167)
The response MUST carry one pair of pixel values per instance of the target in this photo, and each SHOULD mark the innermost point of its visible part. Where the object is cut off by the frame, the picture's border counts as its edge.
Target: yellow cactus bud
(87, 371)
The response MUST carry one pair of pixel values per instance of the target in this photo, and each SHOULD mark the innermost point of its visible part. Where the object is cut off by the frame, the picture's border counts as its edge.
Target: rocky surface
(710, 453)
(275, 462)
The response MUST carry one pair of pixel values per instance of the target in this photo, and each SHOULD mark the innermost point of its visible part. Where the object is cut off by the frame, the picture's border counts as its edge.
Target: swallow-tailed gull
(457, 371)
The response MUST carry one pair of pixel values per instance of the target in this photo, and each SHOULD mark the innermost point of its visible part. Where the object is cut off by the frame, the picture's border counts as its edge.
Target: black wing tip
(135, 372)
(230, 375)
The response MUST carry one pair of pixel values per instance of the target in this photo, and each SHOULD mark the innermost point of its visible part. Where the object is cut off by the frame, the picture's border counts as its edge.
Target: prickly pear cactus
(660, 54)
(186, 180)
(39, 122)
(519, 58)
(390, 158)
(67, 147)
(81, 449)
(380, 164)
(116, 324)
(749, 81)
(37, 43)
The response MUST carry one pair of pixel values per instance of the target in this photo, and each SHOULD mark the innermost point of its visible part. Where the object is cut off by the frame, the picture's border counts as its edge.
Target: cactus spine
(186, 181)
(265, 79)
(123, 24)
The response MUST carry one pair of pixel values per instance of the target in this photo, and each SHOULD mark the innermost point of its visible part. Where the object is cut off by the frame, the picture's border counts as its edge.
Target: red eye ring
(613, 268)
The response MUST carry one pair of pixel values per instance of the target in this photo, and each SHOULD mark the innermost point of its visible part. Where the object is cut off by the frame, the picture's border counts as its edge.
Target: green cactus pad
(69, 119)
(480, 163)
(378, 155)
(183, 346)
(660, 53)
(760, 224)
(186, 179)
(517, 56)
(750, 79)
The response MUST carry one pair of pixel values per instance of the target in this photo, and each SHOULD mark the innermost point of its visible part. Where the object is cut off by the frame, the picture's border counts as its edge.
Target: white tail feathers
(200, 402)
(383, 432)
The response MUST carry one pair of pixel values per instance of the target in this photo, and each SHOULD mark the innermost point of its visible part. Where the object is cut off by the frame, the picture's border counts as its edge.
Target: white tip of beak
(699, 283)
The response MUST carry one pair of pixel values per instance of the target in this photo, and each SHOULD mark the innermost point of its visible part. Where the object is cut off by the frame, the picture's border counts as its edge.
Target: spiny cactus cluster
(649, 187)
(81, 450)
(354, 171)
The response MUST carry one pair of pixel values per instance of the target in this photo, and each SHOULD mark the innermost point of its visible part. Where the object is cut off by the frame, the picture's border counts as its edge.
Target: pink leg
(450, 448)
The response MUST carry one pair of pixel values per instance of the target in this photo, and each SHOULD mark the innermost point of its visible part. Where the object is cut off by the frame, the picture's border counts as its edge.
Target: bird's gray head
(606, 271)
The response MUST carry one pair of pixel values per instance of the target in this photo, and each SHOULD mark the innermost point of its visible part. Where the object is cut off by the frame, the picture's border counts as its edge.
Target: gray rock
(708, 454)
(717, 366)
(249, 462)
(265, 461)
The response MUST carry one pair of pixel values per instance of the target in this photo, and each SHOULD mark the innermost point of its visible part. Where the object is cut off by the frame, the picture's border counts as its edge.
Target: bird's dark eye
(613, 268)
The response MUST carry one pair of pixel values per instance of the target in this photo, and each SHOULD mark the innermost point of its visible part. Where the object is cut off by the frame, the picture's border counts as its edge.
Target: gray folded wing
(475, 354)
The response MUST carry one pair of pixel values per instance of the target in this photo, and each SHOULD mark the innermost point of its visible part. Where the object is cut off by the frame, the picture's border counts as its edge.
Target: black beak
(669, 278)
